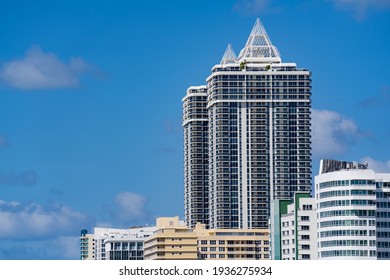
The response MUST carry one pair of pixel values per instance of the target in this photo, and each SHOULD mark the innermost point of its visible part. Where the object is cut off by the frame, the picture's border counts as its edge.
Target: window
(307, 207)
(305, 228)
(305, 218)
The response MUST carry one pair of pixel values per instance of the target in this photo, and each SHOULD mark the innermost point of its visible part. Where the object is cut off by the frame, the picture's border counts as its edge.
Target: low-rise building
(172, 240)
(293, 228)
(232, 244)
(114, 244)
(86, 245)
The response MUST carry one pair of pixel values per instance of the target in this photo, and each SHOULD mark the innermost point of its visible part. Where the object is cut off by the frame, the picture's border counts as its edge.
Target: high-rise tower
(196, 164)
(258, 140)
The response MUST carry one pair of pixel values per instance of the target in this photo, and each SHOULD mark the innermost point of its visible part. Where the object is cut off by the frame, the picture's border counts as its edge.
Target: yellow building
(232, 244)
(174, 241)
(171, 241)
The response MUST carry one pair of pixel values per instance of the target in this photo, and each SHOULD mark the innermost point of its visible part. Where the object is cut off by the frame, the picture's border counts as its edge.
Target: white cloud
(65, 247)
(131, 205)
(126, 209)
(359, 8)
(332, 133)
(378, 166)
(40, 70)
(23, 221)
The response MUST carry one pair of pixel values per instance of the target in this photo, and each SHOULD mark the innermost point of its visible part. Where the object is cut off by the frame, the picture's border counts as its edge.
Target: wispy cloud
(126, 208)
(42, 70)
(131, 205)
(170, 130)
(172, 127)
(255, 7)
(332, 133)
(3, 140)
(28, 221)
(56, 192)
(164, 149)
(382, 99)
(360, 8)
(57, 248)
(168, 127)
(378, 166)
(251, 6)
(24, 178)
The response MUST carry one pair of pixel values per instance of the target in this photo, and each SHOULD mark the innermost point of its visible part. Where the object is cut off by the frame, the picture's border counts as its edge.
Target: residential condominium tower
(256, 137)
(196, 164)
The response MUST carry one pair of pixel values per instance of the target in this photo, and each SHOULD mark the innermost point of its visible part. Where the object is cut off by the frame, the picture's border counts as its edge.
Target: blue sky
(90, 102)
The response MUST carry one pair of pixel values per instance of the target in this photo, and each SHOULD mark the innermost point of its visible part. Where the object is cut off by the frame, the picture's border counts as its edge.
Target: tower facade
(353, 211)
(258, 139)
(196, 164)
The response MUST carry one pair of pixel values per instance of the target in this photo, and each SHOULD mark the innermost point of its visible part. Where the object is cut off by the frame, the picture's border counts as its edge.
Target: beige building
(229, 244)
(171, 241)
(175, 241)
(86, 245)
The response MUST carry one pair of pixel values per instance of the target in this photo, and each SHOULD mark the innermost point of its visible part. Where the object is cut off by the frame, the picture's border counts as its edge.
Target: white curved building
(350, 198)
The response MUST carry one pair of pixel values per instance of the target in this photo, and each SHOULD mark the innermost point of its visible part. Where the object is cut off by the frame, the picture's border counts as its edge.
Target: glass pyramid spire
(229, 56)
(259, 48)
